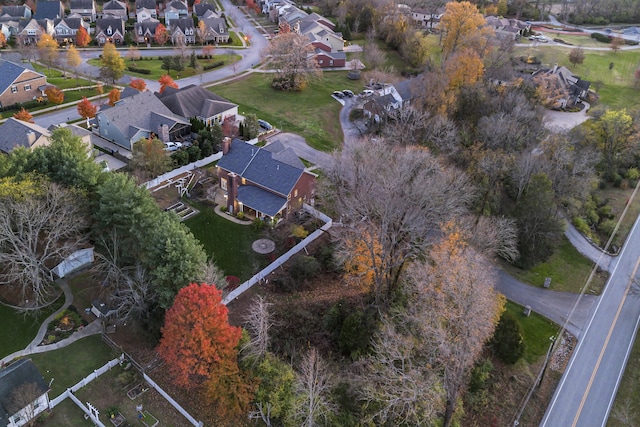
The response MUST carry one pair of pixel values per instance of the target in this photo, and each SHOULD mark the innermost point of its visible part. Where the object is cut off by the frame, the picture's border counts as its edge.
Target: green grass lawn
(70, 364)
(311, 113)
(618, 199)
(616, 85)
(625, 410)
(567, 268)
(17, 330)
(227, 242)
(155, 65)
(536, 329)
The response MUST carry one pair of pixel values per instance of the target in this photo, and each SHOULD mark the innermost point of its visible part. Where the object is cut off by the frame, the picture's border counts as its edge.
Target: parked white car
(172, 146)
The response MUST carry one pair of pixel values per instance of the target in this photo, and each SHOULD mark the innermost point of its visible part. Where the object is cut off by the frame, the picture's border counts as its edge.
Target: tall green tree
(111, 63)
(251, 127)
(615, 136)
(149, 158)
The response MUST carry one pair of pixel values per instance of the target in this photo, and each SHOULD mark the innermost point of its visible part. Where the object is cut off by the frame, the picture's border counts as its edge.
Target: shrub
(480, 374)
(240, 215)
(633, 174)
(607, 226)
(355, 334)
(138, 70)
(325, 256)
(213, 65)
(581, 225)
(508, 342)
(180, 158)
(334, 318)
(601, 37)
(304, 267)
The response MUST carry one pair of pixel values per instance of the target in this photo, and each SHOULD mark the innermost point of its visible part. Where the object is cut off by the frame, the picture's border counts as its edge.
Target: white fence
(171, 401)
(83, 382)
(328, 222)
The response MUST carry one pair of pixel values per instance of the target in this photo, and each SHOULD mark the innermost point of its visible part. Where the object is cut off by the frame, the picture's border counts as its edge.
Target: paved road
(301, 148)
(588, 387)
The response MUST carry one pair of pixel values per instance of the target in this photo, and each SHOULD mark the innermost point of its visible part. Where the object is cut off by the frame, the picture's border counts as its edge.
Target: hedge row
(26, 105)
(214, 65)
(138, 70)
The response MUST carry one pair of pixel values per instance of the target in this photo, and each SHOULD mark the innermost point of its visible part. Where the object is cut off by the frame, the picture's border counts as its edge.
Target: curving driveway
(561, 121)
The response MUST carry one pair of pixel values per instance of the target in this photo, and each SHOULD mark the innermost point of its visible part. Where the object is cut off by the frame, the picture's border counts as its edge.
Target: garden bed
(148, 419)
(137, 391)
(63, 325)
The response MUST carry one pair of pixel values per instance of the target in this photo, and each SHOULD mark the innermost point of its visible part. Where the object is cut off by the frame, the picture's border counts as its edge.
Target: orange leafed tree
(162, 35)
(165, 82)
(86, 109)
(114, 96)
(54, 95)
(24, 116)
(138, 84)
(464, 27)
(197, 339)
(3, 40)
(82, 37)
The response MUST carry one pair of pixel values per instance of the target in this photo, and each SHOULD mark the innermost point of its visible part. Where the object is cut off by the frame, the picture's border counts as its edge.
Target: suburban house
(140, 116)
(29, 32)
(19, 83)
(182, 31)
(573, 87)
(510, 29)
(115, 8)
(16, 133)
(65, 29)
(51, 9)
(426, 18)
(265, 182)
(194, 101)
(175, 9)
(16, 12)
(24, 393)
(201, 8)
(389, 98)
(146, 9)
(84, 8)
(109, 29)
(215, 28)
(145, 31)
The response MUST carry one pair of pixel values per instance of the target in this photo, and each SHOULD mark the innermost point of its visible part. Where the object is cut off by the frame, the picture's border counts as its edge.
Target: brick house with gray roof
(19, 84)
(12, 380)
(194, 101)
(109, 29)
(215, 28)
(140, 116)
(16, 133)
(182, 31)
(265, 182)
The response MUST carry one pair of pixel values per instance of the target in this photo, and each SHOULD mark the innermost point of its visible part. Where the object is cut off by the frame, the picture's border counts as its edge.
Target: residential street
(588, 387)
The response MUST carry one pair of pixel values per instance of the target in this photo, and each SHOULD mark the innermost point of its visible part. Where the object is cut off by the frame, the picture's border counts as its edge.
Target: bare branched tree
(257, 322)
(212, 274)
(374, 56)
(36, 233)
(405, 126)
(23, 399)
(390, 201)
(313, 383)
(493, 236)
(291, 56)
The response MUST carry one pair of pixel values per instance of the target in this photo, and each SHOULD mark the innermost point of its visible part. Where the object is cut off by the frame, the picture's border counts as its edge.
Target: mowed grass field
(311, 113)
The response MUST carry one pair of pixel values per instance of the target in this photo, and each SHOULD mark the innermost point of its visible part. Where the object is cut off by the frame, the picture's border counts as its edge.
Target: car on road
(172, 146)
(347, 93)
(338, 94)
(265, 124)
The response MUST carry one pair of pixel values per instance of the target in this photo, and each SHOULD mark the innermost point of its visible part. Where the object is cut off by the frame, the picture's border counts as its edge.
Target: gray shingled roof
(261, 167)
(141, 111)
(114, 5)
(73, 23)
(219, 25)
(14, 11)
(13, 133)
(261, 200)
(194, 101)
(201, 8)
(182, 23)
(116, 24)
(148, 4)
(81, 4)
(13, 376)
(49, 10)
(9, 72)
(404, 89)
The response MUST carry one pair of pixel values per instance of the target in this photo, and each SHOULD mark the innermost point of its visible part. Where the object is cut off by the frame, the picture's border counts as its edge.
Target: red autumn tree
(197, 339)
(54, 95)
(165, 82)
(114, 96)
(24, 116)
(82, 37)
(162, 35)
(138, 84)
(86, 109)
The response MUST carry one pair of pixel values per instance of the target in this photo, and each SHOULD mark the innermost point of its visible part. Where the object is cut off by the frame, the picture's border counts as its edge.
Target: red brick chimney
(226, 145)
(232, 193)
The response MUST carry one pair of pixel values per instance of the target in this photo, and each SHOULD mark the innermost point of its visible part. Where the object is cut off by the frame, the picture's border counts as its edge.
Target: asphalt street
(588, 387)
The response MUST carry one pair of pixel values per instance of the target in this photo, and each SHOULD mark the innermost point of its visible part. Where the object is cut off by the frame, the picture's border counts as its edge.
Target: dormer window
(109, 31)
(140, 30)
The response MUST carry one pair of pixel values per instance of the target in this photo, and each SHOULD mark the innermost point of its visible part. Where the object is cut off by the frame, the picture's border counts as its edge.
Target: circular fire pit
(263, 246)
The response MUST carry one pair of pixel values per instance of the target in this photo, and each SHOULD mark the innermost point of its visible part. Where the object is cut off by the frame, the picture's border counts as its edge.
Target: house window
(14, 89)
(321, 61)
(223, 183)
(27, 88)
(140, 30)
(295, 193)
(331, 62)
(109, 31)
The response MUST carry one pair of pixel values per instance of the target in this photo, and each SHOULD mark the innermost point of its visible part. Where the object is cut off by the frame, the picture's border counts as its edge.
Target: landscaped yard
(567, 268)
(311, 113)
(68, 365)
(17, 330)
(227, 242)
(536, 330)
(155, 66)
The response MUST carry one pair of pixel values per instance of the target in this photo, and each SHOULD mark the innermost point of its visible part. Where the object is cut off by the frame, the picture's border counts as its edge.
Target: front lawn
(311, 113)
(536, 329)
(227, 242)
(567, 268)
(70, 364)
(155, 66)
(61, 80)
(17, 330)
